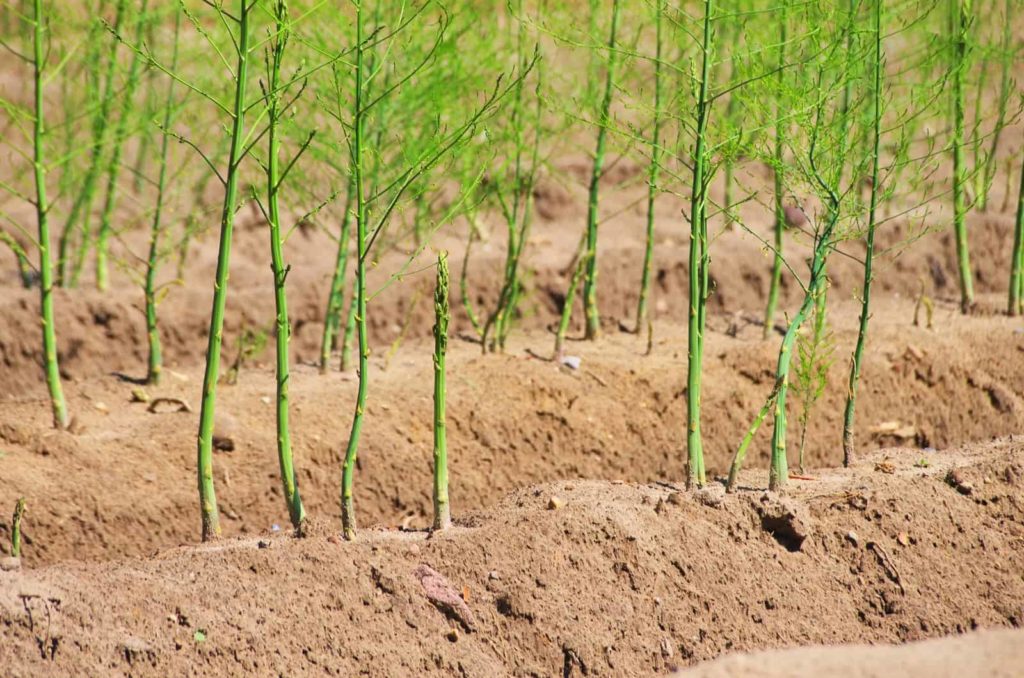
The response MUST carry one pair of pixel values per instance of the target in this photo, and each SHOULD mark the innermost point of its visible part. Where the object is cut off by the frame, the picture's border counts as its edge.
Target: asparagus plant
(699, 256)
(961, 19)
(865, 316)
(114, 165)
(590, 308)
(1016, 302)
(69, 269)
(275, 110)
(778, 170)
(653, 173)
(19, 514)
(42, 208)
(442, 507)
(151, 290)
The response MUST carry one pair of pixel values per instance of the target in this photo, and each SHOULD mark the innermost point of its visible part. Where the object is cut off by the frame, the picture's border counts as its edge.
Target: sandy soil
(571, 578)
(629, 577)
(998, 654)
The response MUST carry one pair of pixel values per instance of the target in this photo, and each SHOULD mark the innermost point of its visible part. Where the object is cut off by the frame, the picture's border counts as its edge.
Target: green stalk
(858, 352)
(52, 369)
(1016, 304)
(442, 508)
(24, 268)
(350, 330)
(779, 472)
(741, 451)
(570, 299)
(114, 167)
(642, 319)
(961, 21)
(518, 214)
(348, 518)
(19, 514)
(590, 309)
(695, 475)
(155, 364)
(207, 494)
(81, 209)
(779, 181)
(293, 501)
(336, 297)
(988, 170)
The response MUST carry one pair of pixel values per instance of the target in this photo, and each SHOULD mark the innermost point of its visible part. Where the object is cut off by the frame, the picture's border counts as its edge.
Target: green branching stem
(52, 369)
(642, 317)
(336, 297)
(114, 165)
(155, 362)
(81, 208)
(348, 517)
(207, 494)
(961, 21)
(865, 311)
(779, 178)
(590, 308)
(699, 261)
(275, 177)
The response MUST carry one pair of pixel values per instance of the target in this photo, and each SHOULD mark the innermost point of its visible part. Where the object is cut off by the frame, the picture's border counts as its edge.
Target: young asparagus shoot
(19, 514)
(442, 507)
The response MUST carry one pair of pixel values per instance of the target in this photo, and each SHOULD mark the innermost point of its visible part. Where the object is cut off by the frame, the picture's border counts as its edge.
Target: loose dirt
(619, 579)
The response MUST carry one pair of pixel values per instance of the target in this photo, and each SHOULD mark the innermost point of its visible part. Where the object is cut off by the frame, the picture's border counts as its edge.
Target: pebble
(852, 537)
(573, 362)
(555, 503)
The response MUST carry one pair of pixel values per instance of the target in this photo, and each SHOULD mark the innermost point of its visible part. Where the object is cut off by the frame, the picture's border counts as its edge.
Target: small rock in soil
(10, 564)
(956, 480)
(555, 503)
(224, 429)
(444, 596)
(712, 495)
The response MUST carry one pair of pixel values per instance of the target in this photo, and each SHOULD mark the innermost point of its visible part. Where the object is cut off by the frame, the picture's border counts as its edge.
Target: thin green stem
(52, 369)
(865, 315)
(442, 506)
(590, 308)
(207, 494)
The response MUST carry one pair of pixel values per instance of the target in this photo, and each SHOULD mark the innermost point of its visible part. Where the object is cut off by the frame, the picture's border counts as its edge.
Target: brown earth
(105, 332)
(997, 654)
(566, 578)
(577, 587)
(122, 482)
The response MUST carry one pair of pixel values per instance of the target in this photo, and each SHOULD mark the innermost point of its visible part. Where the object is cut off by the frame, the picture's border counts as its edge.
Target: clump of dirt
(618, 579)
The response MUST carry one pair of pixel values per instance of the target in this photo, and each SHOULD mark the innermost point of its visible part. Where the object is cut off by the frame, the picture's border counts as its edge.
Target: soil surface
(567, 578)
(573, 554)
